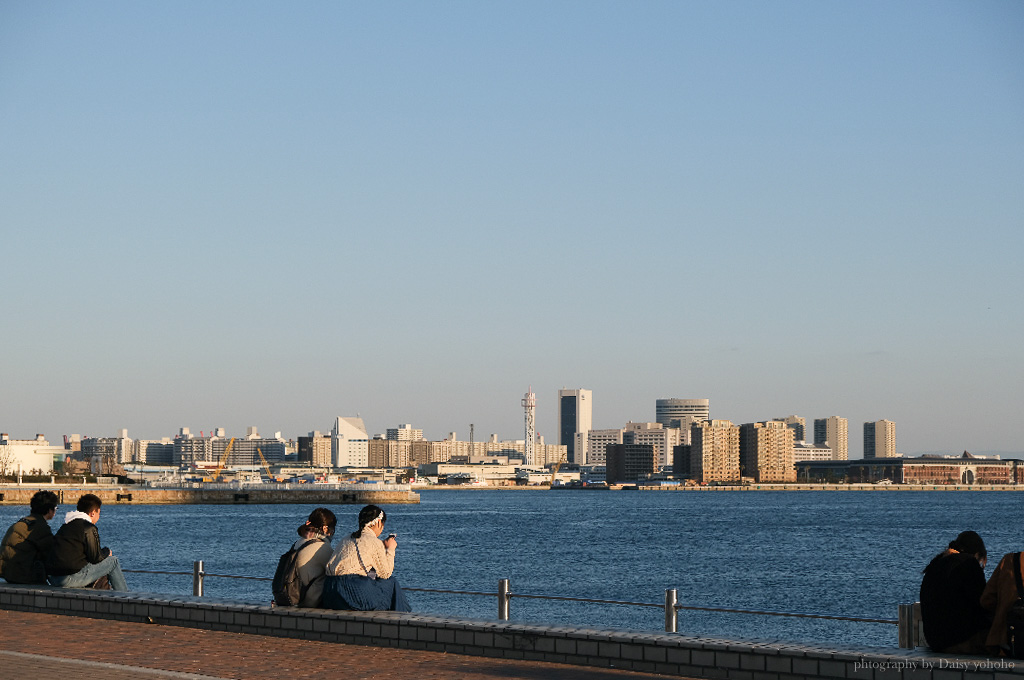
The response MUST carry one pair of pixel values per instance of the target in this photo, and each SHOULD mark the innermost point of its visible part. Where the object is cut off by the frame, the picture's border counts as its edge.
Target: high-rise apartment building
(880, 439)
(404, 433)
(315, 449)
(766, 452)
(832, 432)
(575, 415)
(681, 414)
(799, 426)
(715, 451)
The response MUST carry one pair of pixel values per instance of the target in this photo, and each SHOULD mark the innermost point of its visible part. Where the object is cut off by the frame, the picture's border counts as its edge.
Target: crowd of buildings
(683, 442)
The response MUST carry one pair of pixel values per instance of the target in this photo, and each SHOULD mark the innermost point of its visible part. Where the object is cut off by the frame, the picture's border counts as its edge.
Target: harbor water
(840, 553)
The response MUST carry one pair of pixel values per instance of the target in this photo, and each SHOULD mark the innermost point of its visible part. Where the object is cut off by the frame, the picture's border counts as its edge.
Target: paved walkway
(45, 645)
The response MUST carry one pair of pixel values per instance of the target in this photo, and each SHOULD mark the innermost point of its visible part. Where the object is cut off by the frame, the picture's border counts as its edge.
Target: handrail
(504, 595)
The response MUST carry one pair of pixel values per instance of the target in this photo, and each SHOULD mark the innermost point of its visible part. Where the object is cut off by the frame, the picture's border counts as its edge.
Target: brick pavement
(77, 647)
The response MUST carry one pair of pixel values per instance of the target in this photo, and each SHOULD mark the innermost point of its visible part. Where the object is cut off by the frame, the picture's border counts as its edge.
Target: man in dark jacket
(77, 560)
(28, 542)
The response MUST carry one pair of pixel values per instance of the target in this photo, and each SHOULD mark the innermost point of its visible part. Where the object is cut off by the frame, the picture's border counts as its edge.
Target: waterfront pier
(198, 493)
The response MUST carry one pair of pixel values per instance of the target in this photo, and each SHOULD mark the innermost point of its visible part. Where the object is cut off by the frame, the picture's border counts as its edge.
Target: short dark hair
(43, 502)
(89, 502)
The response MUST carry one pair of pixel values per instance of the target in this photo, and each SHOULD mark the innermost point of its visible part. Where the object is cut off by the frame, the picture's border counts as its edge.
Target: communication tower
(530, 408)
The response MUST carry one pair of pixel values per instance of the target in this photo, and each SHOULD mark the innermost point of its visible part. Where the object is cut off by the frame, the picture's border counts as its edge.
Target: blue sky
(272, 214)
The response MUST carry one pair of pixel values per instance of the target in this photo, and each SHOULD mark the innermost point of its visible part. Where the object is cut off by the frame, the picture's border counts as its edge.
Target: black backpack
(287, 586)
(1015, 617)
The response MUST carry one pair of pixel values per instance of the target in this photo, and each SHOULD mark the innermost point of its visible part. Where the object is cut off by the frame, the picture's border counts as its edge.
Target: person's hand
(391, 543)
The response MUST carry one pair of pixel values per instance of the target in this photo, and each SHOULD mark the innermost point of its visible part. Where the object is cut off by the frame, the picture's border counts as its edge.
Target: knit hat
(970, 542)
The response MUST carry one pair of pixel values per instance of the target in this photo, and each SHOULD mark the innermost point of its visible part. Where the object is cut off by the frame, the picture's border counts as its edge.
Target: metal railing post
(910, 626)
(197, 578)
(671, 616)
(504, 596)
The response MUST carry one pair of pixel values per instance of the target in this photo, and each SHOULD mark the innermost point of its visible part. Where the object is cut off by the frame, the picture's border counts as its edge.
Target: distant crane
(266, 465)
(223, 460)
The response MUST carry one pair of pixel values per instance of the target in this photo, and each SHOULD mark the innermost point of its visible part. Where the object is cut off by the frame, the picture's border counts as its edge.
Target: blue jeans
(109, 567)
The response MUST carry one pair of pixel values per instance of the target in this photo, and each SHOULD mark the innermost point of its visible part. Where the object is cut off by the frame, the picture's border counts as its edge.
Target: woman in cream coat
(360, 573)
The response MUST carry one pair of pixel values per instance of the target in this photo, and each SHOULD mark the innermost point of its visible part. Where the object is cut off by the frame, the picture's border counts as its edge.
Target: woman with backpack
(360, 572)
(299, 581)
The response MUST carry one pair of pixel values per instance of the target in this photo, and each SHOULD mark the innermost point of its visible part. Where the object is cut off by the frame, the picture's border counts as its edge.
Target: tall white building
(575, 415)
(880, 439)
(350, 445)
(833, 433)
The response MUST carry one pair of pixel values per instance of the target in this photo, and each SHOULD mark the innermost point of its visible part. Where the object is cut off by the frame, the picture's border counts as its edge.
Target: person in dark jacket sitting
(28, 542)
(951, 611)
(77, 560)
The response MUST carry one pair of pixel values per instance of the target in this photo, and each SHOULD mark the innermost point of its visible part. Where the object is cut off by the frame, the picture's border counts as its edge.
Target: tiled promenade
(45, 645)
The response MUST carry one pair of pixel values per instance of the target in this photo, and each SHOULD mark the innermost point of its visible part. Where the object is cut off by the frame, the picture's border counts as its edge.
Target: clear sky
(272, 214)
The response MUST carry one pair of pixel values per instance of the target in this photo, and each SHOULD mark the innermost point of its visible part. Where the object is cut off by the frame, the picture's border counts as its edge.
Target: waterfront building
(832, 432)
(766, 452)
(965, 469)
(715, 451)
(499, 475)
(575, 415)
(315, 449)
(349, 443)
(28, 456)
(663, 439)
(597, 444)
(809, 451)
(630, 462)
(798, 424)
(245, 451)
(404, 432)
(880, 439)
(681, 414)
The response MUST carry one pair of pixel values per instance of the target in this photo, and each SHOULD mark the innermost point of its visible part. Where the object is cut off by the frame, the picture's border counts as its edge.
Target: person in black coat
(951, 611)
(77, 560)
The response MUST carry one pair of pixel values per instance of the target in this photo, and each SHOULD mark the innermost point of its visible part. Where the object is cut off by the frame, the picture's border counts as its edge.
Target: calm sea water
(823, 552)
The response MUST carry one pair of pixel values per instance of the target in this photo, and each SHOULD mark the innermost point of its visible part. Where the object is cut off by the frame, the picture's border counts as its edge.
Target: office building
(681, 414)
(766, 452)
(832, 432)
(715, 452)
(798, 424)
(28, 456)
(575, 415)
(880, 439)
(629, 463)
(349, 443)
(597, 444)
(663, 439)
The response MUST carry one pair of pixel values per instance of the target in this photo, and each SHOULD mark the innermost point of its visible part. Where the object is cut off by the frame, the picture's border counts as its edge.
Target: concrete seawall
(219, 494)
(667, 653)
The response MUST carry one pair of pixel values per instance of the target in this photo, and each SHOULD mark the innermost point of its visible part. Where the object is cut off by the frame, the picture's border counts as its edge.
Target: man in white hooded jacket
(77, 560)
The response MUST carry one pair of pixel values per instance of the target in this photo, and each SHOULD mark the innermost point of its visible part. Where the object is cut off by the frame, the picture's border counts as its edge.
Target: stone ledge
(681, 655)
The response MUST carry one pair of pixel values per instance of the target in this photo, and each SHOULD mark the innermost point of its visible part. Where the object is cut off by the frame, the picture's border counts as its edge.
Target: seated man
(77, 561)
(29, 541)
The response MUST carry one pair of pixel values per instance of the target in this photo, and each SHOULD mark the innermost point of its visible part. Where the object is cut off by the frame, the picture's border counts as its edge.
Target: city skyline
(278, 215)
